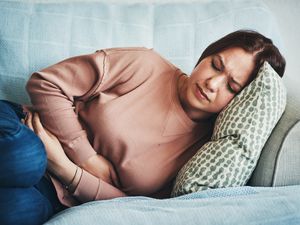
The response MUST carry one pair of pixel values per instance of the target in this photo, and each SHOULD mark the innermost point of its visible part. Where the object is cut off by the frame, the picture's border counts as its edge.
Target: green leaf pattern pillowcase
(240, 132)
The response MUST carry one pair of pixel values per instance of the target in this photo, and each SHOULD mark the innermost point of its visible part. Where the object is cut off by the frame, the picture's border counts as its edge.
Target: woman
(121, 121)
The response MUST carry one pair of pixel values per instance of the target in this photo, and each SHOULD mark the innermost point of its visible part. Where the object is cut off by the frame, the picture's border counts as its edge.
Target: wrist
(75, 181)
(70, 175)
(64, 171)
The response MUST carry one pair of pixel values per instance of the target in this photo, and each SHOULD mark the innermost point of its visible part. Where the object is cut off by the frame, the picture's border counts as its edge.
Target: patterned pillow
(240, 132)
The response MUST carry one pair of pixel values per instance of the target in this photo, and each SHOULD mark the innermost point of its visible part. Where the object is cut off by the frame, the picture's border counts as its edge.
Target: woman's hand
(101, 168)
(58, 162)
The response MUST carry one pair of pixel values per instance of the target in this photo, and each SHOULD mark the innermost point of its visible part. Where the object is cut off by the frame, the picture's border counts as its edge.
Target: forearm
(67, 172)
(83, 185)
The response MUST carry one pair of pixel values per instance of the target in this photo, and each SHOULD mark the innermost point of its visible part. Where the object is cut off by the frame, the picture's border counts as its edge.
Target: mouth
(200, 93)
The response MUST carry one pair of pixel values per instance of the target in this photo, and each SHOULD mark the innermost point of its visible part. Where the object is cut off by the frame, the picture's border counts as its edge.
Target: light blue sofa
(34, 35)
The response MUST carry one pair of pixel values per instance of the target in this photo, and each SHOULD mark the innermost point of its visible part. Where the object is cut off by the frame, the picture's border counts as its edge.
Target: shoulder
(137, 55)
(126, 52)
(115, 50)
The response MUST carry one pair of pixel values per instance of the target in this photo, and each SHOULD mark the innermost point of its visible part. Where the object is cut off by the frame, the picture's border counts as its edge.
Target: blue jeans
(26, 196)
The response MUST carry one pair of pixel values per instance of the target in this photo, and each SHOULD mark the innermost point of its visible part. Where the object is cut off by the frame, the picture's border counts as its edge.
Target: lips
(200, 93)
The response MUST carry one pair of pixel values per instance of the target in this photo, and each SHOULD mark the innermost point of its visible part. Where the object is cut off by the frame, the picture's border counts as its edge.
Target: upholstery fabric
(264, 173)
(285, 168)
(284, 175)
(240, 132)
(227, 206)
(34, 35)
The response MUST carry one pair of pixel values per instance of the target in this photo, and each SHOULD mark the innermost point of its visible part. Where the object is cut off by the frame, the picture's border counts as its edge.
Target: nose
(213, 83)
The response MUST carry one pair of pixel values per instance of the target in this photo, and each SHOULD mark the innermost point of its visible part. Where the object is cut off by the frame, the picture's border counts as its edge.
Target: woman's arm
(58, 92)
(54, 92)
(64, 169)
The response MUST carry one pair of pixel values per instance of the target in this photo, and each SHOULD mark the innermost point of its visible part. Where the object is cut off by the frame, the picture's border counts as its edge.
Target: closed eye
(214, 66)
(231, 89)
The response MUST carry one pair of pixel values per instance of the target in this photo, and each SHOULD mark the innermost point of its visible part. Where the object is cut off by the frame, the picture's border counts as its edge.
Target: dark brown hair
(252, 42)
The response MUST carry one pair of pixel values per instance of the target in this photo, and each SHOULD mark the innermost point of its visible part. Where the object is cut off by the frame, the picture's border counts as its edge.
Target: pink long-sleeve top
(121, 103)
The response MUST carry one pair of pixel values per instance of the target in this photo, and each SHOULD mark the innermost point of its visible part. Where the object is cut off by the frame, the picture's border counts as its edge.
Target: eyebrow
(224, 68)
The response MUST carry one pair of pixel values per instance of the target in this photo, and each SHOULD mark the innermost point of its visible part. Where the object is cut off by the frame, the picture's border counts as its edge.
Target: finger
(37, 125)
(28, 121)
(50, 134)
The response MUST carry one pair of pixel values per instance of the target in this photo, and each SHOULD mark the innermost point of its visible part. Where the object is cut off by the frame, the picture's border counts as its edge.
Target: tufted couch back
(34, 35)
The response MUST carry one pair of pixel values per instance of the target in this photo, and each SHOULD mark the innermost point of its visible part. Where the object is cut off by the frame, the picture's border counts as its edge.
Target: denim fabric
(26, 197)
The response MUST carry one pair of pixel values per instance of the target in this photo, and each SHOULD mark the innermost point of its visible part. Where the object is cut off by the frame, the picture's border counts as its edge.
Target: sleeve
(52, 92)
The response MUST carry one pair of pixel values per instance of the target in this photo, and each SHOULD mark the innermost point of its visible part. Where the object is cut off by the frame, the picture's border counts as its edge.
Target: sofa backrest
(35, 35)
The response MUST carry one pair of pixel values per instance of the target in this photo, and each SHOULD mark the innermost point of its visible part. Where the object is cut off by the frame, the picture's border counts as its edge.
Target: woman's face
(215, 81)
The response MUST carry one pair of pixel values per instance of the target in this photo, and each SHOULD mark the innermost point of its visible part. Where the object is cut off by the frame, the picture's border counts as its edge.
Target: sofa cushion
(35, 34)
(283, 169)
(240, 132)
(234, 206)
